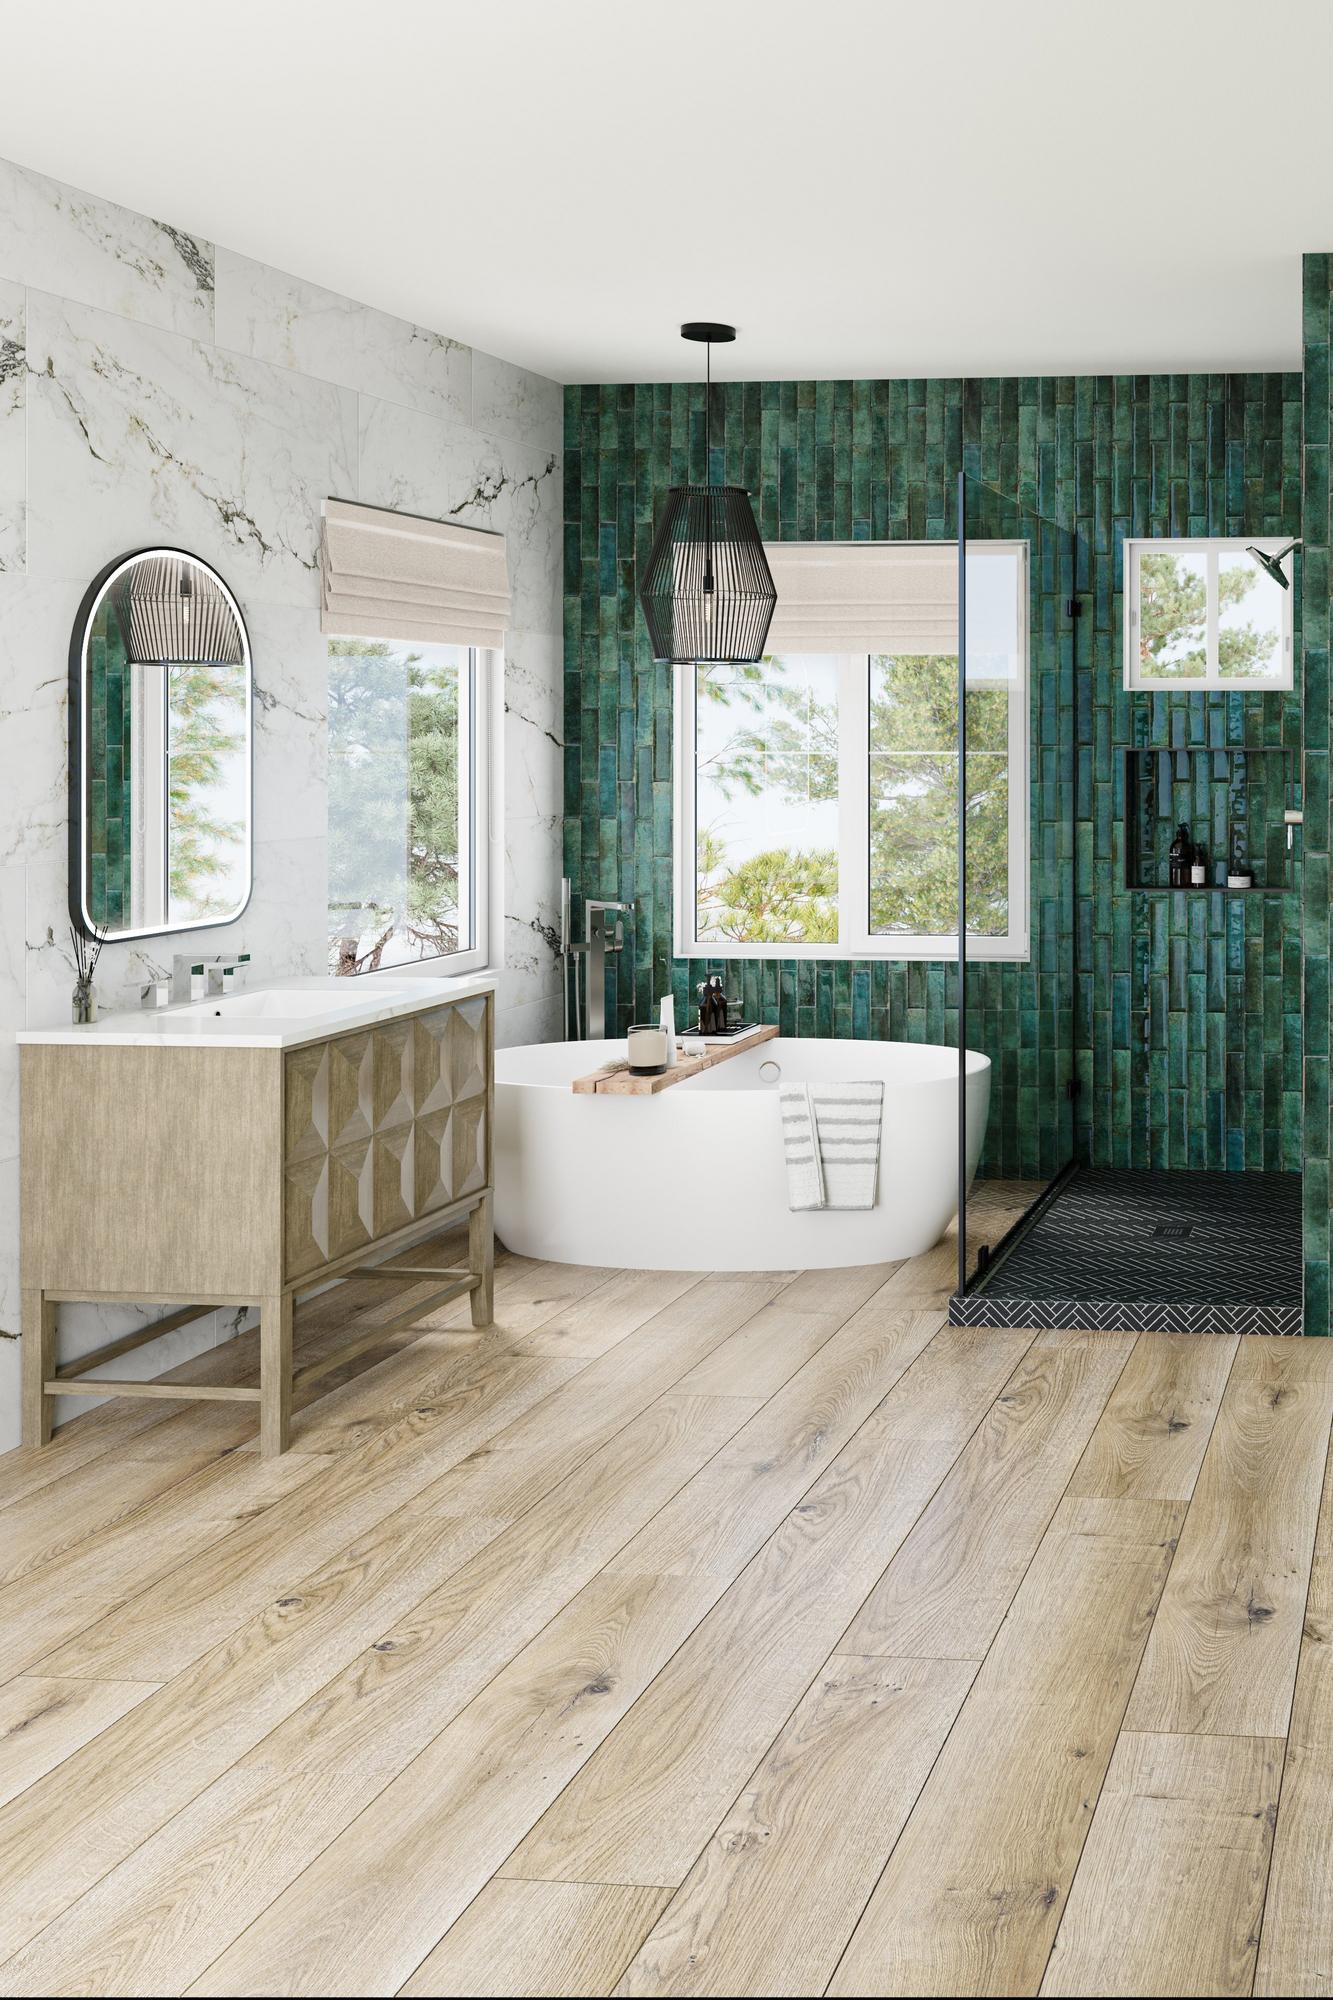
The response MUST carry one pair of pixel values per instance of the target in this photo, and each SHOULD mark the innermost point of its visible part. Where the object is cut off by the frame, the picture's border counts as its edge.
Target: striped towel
(830, 1140)
(800, 1146)
(848, 1117)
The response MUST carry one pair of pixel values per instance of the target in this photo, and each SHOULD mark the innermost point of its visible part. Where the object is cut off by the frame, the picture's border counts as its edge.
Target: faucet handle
(222, 972)
(157, 993)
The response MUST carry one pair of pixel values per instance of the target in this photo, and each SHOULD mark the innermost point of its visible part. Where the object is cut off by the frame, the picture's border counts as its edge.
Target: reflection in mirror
(160, 720)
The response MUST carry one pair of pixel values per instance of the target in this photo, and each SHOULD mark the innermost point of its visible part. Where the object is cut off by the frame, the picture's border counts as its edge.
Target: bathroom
(428, 971)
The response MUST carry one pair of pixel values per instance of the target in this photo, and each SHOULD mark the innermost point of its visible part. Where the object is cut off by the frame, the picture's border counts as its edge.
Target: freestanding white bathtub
(693, 1177)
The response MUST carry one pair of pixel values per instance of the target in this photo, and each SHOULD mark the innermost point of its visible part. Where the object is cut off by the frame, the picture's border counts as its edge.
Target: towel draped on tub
(830, 1140)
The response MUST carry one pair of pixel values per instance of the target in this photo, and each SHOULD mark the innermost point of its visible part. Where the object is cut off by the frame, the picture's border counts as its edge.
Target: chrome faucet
(605, 932)
(195, 977)
(221, 973)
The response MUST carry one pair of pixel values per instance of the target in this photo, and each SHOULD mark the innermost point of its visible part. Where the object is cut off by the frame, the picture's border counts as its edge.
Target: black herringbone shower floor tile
(1192, 1252)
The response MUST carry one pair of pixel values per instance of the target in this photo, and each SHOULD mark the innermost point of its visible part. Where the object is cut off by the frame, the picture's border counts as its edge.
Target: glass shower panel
(1013, 823)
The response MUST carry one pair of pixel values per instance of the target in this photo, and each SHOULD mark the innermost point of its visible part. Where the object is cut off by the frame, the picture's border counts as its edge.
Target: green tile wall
(109, 827)
(1179, 1016)
(1315, 623)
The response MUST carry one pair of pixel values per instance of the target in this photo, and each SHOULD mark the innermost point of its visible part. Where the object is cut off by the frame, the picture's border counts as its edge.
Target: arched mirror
(160, 720)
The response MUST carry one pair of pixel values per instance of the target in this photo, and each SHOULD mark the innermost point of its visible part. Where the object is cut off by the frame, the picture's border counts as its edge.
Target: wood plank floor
(685, 1633)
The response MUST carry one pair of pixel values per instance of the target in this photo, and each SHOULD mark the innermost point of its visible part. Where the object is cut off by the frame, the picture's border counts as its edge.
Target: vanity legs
(275, 1374)
(481, 1261)
(39, 1365)
(44, 1379)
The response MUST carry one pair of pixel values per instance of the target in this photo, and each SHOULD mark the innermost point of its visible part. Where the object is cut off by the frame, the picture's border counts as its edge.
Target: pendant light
(707, 591)
(170, 608)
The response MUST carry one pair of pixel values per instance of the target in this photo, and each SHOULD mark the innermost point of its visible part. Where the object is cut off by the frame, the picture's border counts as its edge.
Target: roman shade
(399, 576)
(864, 597)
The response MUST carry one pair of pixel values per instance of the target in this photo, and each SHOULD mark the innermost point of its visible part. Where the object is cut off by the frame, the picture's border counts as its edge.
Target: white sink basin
(298, 1003)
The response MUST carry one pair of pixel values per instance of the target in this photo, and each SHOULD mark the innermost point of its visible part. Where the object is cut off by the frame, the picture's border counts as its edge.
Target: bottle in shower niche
(1179, 858)
(1239, 875)
(1198, 867)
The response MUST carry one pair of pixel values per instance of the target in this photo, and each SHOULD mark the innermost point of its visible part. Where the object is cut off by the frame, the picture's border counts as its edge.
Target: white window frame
(1213, 681)
(855, 939)
(480, 803)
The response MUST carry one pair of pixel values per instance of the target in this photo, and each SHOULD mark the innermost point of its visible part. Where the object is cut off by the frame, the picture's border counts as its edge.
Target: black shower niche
(1215, 792)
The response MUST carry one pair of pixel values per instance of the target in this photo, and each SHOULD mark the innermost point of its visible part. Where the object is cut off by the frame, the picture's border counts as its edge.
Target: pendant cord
(708, 410)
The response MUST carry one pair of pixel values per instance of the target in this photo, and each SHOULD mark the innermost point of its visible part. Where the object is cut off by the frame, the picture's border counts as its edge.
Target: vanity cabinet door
(328, 1207)
(328, 1117)
(381, 1127)
(452, 1073)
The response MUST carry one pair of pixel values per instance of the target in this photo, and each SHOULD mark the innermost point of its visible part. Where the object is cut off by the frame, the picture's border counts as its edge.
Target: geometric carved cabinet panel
(381, 1127)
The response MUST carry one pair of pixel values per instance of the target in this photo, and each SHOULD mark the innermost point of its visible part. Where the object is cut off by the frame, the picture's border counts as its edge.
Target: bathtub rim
(612, 1049)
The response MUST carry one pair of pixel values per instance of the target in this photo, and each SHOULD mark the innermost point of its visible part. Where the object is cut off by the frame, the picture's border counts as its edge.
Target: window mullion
(1214, 662)
(854, 803)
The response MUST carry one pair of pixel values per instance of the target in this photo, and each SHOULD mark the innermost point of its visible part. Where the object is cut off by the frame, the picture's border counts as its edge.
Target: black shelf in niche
(1210, 790)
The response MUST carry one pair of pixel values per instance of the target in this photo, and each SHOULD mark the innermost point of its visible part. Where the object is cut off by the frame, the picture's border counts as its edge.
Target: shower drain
(1174, 1231)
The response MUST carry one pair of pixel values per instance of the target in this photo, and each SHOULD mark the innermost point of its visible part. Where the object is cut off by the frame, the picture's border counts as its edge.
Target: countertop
(221, 1024)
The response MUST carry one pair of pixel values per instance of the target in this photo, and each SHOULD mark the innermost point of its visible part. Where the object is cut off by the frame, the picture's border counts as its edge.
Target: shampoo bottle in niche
(1199, 868)
(1178, 861)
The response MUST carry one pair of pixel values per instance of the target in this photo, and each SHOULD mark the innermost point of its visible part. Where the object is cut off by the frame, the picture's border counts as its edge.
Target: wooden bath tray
(614, 1080)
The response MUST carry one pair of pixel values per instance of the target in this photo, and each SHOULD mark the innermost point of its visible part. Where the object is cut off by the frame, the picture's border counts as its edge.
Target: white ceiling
(864, 187)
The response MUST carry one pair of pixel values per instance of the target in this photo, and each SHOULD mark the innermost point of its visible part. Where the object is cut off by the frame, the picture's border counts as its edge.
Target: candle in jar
(647, 1047)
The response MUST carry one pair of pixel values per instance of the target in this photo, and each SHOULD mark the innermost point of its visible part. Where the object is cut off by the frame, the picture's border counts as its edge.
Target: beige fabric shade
(395, 576)
(864, 597)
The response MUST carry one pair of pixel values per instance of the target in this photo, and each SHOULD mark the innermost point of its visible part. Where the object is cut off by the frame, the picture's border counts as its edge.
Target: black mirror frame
(77, 856)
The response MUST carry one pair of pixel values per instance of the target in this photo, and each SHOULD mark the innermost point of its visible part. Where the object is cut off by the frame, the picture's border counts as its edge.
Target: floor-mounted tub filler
(693, 1178)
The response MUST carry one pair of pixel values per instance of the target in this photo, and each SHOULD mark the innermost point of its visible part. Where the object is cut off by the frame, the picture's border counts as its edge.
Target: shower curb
(1121, 1315)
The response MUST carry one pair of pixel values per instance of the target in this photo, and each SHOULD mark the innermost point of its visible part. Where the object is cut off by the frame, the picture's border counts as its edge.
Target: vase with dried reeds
(87, 951)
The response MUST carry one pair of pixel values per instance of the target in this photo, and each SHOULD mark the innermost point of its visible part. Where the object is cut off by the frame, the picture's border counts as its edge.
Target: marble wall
(154, 386)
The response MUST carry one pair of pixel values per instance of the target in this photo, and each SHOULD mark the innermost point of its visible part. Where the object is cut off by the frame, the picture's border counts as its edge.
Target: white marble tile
(56, 239)
(13, 999)
(36, 620)
(13, 427)
(531, 969)
(512, 402)
(534, 773)
(135, 435)
(291, 681)
(534, 687)
(295, 324)
(284, 929)
(454, 474)
(538, 1021)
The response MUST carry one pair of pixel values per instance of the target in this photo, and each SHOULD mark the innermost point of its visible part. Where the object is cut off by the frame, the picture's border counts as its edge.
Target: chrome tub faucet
(605, 933)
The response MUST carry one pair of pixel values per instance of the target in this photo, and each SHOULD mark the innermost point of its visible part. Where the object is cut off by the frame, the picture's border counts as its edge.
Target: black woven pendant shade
(707, 591)
(170, 608)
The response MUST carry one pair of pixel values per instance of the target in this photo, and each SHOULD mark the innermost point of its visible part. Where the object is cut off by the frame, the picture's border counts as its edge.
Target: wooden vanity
(238, 1167)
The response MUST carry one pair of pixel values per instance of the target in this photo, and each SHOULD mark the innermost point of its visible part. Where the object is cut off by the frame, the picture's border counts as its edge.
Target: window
(817, 794)
(407, 805)
(1202, 613)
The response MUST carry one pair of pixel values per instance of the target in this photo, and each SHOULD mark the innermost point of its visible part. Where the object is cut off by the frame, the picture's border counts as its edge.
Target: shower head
(1272, 564)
